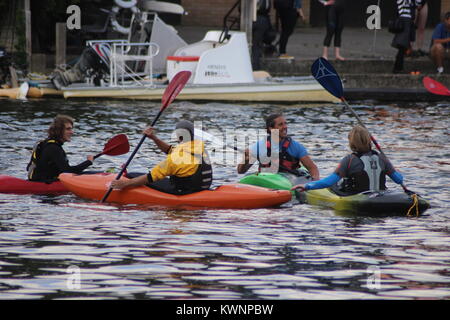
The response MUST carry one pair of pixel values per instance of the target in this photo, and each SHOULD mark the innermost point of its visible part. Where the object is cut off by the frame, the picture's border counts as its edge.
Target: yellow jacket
(182, 161)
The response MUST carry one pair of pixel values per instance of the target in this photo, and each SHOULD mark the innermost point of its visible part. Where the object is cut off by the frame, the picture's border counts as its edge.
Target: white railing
(121, 56)
(120, 71)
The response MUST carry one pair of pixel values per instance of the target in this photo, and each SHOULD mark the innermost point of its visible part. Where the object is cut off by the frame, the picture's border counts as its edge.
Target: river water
(63, 247)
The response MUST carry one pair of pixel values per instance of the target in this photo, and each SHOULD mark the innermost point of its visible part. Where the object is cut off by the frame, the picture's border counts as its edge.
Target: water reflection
(294, 252)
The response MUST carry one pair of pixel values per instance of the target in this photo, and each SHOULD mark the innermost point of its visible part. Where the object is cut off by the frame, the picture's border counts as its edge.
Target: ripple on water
(296, 252)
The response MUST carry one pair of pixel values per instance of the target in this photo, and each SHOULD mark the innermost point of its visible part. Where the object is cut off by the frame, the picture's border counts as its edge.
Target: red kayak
(10, 184)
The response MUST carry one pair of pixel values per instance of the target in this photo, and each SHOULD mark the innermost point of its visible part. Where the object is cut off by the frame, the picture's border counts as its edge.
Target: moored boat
(370, 203)
(231, 196)
(220, 64)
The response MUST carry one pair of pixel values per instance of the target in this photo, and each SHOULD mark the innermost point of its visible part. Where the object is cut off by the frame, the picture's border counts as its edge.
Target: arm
(320, 184)
(128, 183)
(441, 41)
(56, 155)
(311, 167)
(391, 172)
(163, 146)
(396, 177)
(243, 167)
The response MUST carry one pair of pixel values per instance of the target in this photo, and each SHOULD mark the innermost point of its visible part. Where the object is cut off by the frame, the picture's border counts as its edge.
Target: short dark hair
(270, 120)
(56, 129)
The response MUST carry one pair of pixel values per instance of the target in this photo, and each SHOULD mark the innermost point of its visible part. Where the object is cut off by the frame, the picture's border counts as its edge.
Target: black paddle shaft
(124, 167)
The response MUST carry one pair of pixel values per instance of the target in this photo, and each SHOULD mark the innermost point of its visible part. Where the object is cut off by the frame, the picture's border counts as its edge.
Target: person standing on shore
(262, 28)
(288, 11)
(403, 40)
(334, 17)
(421, 21)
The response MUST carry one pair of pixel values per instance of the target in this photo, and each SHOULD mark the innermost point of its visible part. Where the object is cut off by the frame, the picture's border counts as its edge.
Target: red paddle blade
(117, 145)
(175, 86)
(435, 87)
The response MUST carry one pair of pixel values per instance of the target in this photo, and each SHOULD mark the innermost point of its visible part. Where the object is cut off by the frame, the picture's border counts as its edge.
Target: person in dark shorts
(288, 11)
(440, 43)
(402, 41)
(263, 32)
(362, 170)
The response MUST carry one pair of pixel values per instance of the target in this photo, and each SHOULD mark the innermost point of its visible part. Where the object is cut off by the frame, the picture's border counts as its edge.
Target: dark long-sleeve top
(53, 161)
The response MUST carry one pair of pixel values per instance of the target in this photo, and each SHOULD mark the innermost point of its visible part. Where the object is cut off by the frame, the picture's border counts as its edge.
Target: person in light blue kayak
(362, 170)
(278, 152)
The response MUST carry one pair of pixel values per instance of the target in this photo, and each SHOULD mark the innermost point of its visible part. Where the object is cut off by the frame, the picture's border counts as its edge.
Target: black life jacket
(287, 163)
(35, 157)
(372, 177)
(199, 181)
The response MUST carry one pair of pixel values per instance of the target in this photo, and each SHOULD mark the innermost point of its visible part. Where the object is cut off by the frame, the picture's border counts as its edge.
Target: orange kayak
(230, 196)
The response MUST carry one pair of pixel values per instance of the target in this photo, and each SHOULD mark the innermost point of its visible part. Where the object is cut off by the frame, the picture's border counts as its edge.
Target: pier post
(248, 15)
(60, 57)
(28, 47)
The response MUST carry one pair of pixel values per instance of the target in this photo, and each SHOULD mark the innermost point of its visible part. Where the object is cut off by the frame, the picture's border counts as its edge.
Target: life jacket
(287, 163)
(372, 177)
(35, 156)
(200, 180)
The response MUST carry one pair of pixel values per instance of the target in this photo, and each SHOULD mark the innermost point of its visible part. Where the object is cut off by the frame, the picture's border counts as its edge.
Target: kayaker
(291, 154)
(185, 170)
(49, 159)
(362, 170)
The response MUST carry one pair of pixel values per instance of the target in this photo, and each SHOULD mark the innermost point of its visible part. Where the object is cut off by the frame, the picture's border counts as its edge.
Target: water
(64, 247)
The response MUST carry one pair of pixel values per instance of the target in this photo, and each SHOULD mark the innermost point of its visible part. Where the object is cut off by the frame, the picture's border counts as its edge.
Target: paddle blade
(117, 145)
(435, 87)
(174, 88)
(327, 76)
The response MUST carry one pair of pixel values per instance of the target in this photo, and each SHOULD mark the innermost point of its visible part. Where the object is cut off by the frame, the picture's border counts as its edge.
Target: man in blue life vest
(278, 152)
(49, 159)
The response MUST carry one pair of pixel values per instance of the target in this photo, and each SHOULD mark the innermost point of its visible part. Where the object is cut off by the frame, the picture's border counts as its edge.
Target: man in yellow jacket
(185, 170)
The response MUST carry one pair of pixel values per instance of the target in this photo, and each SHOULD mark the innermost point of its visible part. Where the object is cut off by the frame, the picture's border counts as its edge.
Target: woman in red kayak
(49, 159)
(185, 170)
(362, 170)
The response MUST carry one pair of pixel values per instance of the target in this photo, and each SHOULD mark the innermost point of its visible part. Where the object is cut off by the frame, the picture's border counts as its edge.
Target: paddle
(117, 145)
(172, 90)
(203, 135)
(328, 77)
(435, 87)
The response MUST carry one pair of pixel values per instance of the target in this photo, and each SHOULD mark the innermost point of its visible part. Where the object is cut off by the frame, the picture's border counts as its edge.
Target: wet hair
(359, 140)
(56, 129)
(270, 120)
